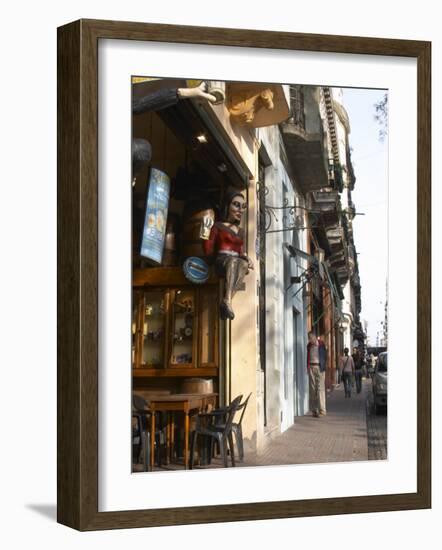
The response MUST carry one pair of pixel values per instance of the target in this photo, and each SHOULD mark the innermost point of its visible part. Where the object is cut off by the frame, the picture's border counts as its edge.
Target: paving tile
(340, 436)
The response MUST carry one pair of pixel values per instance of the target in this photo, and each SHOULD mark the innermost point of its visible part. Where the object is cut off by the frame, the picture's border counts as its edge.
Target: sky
(370, 196)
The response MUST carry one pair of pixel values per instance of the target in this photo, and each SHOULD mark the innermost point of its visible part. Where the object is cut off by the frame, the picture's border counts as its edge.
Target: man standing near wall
(357, 360)
(316, 365)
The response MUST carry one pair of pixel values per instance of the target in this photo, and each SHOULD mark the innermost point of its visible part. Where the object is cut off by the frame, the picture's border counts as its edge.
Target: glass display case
(148, 328)
(183, 329)
(153, 324)
(175, 328)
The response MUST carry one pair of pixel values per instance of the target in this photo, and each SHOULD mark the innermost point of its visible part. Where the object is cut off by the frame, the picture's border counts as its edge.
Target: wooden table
(176, 402)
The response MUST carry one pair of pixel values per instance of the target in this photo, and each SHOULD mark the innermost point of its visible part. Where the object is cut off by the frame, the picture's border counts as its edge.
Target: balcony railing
(297, 115)
(335, 177)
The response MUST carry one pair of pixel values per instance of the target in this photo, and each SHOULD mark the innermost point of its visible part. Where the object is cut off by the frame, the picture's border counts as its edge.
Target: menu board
(157, 205)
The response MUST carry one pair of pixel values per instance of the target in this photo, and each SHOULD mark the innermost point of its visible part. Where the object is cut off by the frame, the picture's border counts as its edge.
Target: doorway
(298, 366)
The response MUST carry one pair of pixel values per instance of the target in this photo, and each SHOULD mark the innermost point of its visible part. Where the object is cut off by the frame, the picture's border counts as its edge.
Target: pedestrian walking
(316, 365)
(372, 364)
(338, 374)
(347, 368)
(357, 360)
(365, 361)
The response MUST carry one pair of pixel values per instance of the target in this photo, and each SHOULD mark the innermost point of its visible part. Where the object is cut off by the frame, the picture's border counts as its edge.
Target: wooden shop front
(177, 334)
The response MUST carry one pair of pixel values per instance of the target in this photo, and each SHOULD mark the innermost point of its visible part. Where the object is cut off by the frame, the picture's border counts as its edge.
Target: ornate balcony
(357, 295)
(335, 237)
(338, 262)
(304, 139)
(326, 204)
(326, 208)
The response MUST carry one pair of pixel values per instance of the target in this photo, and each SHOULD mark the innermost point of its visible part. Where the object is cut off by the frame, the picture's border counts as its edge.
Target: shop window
(175, 328)
(148, 328)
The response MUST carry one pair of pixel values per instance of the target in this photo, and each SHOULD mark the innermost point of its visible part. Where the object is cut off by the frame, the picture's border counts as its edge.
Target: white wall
(28, 348)
(279, 368)
(274, 275)
(280, 301)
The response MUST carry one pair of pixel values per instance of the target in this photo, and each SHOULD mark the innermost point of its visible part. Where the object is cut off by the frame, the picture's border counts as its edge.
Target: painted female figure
(227, 244)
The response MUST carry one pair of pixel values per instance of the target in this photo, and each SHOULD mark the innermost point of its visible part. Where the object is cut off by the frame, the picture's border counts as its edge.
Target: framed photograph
(243, 275)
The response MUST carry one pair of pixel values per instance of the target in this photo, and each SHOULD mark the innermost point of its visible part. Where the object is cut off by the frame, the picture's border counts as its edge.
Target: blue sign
(196, 270)
(157, 205)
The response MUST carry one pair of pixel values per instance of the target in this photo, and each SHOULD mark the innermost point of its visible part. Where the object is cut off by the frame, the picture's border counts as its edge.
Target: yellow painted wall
(244, 347)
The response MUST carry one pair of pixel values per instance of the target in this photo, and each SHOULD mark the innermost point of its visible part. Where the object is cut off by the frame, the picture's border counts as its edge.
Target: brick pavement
(340, 436)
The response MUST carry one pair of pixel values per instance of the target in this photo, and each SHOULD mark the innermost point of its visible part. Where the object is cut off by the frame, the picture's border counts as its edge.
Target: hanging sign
(155, 219)
(196, 270)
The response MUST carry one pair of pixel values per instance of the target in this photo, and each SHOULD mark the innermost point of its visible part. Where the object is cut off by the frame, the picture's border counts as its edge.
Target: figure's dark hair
(227, 200)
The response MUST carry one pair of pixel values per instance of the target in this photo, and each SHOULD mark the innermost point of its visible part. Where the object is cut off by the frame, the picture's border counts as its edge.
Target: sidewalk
(340, 436)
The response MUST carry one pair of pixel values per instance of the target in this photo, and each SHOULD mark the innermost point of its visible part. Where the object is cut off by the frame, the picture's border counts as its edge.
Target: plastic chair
(141, 433)
(237, 428)
(206, 427)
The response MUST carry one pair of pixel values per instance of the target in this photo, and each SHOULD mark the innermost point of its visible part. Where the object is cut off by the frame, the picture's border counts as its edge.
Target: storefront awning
(190, 119)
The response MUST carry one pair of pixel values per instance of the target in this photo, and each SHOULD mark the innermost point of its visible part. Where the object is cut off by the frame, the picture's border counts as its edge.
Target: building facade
(290, 158)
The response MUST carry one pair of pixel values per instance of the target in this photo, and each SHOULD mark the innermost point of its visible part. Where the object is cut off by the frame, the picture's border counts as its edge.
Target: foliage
(381, 116)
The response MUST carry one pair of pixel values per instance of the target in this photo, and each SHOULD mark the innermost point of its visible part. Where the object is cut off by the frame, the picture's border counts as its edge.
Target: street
(376, 430)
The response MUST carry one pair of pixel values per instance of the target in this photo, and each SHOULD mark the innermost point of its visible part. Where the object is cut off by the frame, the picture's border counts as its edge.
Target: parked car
(380, 382)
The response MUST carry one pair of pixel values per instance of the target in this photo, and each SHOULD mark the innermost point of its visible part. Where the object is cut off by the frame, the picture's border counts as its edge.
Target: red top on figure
(223, 239)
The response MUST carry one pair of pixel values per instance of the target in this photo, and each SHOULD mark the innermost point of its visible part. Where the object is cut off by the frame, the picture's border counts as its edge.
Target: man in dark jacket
(316, 365)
